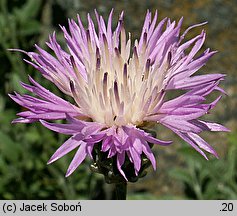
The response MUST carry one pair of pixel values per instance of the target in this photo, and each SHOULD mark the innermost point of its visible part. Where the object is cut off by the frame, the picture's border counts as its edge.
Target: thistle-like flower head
(118, 86)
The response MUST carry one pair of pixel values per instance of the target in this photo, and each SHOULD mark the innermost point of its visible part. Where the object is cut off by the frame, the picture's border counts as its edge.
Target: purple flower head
(118, 86)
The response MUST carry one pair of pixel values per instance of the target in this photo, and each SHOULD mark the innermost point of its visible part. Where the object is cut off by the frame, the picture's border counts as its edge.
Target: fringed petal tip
(18, 50)
(51, 160)
(22, 120)
(223, 129)
(226, 129)
(216, 156)
(18, 120)
(68, 173)
(12, 96)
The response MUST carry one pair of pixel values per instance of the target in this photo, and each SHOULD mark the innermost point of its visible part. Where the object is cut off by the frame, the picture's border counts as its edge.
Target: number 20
(227, 207)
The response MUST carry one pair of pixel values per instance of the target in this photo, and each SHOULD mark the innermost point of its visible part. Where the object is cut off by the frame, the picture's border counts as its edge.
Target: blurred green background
(181, 172)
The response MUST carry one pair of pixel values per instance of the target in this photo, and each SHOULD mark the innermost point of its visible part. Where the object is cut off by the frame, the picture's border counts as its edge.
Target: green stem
(121, 190)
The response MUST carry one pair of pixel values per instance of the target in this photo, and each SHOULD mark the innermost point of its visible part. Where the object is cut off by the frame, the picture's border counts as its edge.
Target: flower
(116, 91)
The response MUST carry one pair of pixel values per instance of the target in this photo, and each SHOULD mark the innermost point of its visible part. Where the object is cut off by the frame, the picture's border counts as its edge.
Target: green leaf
(30, 28)
(191, 154)
(182, 175)
(28, 11)
(8, 148)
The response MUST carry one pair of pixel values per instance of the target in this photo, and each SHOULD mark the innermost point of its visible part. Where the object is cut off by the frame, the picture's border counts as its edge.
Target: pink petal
(77, 159)
(66, 147)
(120, 162)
